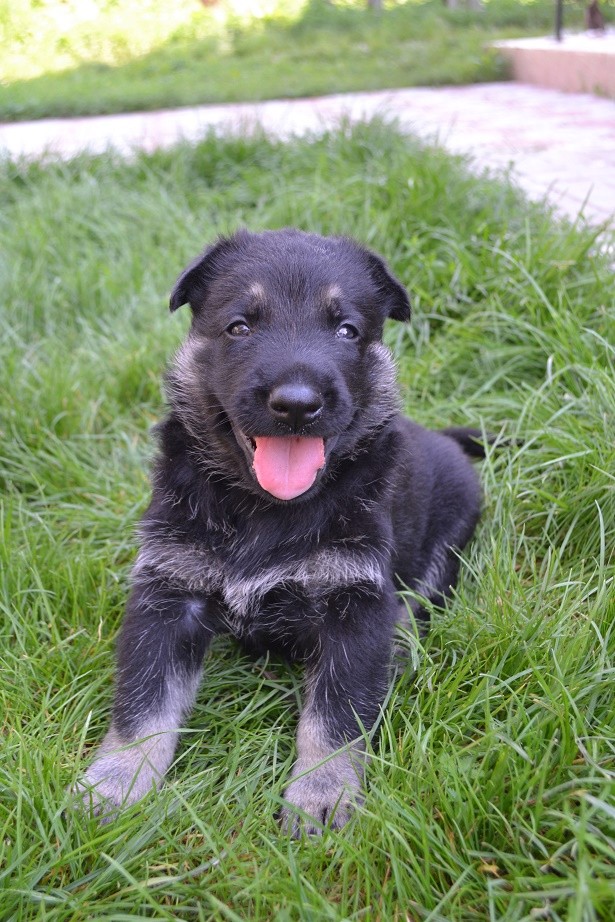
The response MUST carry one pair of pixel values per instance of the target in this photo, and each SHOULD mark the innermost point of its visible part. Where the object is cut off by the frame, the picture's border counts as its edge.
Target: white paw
(122, 774)
(327, 796)
(110, 783)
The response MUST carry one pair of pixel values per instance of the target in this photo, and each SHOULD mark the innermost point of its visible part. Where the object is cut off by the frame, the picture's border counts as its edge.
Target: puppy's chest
(243, 570)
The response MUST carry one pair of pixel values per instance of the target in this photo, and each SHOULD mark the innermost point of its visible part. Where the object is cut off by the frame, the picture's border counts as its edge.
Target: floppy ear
(395, 296)
(191, 287)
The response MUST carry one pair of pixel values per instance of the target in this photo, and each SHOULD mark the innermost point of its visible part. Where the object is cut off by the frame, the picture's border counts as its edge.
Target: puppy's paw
(326, 799)
(111, 783)
(122, 774)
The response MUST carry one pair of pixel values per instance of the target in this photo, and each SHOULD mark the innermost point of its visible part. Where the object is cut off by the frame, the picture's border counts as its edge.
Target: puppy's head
(283, 372)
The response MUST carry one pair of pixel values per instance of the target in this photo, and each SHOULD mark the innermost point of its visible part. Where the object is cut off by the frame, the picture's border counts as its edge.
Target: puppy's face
(283, 371)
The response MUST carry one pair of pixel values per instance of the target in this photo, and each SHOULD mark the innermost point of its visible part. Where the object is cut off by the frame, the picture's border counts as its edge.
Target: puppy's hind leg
(412, 627)
(161, 647)
(435, 586)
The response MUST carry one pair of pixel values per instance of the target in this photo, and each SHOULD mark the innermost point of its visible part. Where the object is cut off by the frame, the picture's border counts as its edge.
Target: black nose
(295, 404)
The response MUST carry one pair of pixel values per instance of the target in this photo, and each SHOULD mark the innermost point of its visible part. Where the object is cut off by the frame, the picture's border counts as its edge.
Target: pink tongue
(287, 466)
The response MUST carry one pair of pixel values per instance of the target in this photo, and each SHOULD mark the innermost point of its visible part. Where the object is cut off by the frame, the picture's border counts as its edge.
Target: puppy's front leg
(160, 653)
(345, 687)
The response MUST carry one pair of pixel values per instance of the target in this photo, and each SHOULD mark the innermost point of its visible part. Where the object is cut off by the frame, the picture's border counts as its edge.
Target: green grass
(491, 787)
(68, 57)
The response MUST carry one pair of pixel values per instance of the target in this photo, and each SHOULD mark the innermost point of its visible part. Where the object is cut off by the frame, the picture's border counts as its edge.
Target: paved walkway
(559, 144)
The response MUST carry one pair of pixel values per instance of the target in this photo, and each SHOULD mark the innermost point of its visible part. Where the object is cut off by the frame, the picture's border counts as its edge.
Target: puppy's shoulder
(181, 496)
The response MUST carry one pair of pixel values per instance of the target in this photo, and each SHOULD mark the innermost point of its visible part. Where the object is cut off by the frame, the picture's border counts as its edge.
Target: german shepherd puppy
(290, 501)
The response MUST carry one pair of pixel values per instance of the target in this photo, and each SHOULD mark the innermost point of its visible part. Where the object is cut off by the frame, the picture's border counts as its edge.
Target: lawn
(74, 57)
(491, 786)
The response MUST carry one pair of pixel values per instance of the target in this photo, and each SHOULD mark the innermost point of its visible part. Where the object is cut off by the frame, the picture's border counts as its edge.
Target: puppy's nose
(295, 404)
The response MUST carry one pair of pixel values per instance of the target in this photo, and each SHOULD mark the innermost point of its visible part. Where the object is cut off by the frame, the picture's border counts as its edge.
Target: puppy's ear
(192, 285)
(394, 295)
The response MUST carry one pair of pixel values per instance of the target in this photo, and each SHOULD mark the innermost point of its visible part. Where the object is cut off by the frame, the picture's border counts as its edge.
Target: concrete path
(559, 144)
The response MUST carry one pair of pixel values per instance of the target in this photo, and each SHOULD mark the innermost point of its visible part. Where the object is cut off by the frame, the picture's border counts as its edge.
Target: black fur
(314, 576)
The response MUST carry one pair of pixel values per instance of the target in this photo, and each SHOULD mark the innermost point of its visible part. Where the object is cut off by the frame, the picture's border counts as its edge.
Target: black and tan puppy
(290, 500)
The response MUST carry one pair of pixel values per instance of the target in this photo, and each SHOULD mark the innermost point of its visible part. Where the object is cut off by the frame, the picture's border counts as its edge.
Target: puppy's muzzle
(296, 404)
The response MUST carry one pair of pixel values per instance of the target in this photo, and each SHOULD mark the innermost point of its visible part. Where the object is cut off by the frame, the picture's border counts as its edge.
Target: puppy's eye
(346, 331)
(238, 328)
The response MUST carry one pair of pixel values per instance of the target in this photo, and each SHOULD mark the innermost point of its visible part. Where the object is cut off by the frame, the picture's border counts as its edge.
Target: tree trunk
(476, 5)
(594, 20)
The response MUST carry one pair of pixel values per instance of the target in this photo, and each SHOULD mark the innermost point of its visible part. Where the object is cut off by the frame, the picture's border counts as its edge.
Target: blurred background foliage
(72, 57)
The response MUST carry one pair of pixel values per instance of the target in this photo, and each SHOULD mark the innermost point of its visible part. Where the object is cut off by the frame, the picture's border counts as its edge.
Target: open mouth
(284, 466)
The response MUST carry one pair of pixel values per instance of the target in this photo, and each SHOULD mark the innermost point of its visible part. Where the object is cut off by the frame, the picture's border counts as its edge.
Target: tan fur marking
(332, 293)
(125, 770)
(195, 569)
(257, 291)
(325, 782)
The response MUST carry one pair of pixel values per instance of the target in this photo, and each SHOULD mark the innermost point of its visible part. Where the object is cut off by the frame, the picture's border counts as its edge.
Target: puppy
(290, 501)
